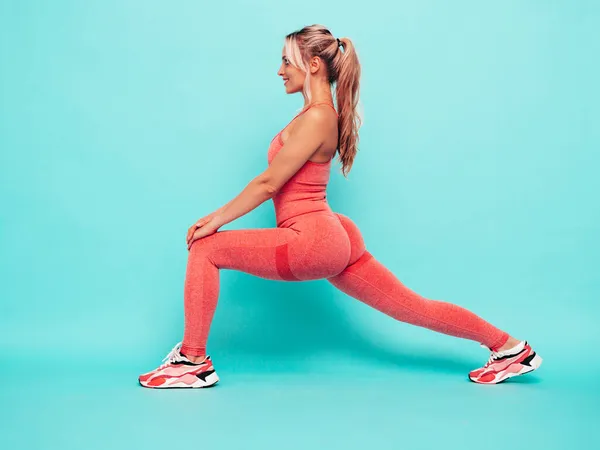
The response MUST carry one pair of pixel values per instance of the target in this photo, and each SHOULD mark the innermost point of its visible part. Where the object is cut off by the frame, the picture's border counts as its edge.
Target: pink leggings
(308, 247)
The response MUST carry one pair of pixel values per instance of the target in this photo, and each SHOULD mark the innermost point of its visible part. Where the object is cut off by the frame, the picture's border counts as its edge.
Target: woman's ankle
(193, 358)
(196, 359)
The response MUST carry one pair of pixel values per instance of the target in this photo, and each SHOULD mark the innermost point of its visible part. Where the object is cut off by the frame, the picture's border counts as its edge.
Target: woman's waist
(285, 211)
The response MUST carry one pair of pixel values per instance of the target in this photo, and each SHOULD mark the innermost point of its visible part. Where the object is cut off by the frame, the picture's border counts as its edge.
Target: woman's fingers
(193, 229)
(190, 232)
(191, 241)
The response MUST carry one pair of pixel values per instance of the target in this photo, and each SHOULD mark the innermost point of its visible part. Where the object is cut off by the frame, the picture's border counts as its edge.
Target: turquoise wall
(122, 122)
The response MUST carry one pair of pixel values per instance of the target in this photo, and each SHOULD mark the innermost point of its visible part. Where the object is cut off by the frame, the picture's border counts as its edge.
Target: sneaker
(179, 372)
(502, 365)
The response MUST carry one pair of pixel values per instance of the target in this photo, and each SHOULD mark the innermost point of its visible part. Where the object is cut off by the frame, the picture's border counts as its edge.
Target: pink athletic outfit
(312, 242)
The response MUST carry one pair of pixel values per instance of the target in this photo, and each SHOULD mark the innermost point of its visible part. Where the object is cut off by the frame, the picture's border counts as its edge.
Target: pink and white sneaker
(502, 365)
(180, 372)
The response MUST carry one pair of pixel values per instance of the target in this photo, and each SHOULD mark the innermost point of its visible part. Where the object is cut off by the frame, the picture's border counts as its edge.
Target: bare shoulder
(319, 119)
(321, 114)
(317, 127)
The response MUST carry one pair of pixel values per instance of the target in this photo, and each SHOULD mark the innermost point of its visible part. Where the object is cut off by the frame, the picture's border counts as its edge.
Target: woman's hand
(202, 228)
(198, 224)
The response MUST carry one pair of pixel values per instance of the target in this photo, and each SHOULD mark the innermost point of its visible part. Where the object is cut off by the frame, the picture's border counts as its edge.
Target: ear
(315, 63)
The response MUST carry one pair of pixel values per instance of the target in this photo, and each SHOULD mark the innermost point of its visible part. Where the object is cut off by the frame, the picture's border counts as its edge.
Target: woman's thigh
(311, 249)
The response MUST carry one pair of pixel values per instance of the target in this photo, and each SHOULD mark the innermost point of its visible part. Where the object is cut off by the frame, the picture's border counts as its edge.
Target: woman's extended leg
(369, 281)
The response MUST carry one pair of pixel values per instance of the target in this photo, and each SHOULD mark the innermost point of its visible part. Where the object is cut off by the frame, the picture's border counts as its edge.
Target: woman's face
(293, 78)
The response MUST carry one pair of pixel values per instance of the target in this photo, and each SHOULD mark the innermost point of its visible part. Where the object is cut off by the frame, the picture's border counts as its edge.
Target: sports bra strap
(314, 104)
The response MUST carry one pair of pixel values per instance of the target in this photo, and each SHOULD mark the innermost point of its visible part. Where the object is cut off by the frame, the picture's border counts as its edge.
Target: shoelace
(173, 355)
(491, 355)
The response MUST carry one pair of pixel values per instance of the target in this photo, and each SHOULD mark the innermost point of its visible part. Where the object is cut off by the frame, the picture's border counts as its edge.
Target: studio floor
(323, 401)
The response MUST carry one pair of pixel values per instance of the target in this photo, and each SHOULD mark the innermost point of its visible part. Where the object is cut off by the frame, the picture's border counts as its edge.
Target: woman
(311, 241)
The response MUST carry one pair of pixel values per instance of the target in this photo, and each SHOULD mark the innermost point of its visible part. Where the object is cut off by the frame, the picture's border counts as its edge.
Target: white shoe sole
(211, 380)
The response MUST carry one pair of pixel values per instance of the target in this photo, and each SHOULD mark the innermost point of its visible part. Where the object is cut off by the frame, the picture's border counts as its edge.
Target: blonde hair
(343, 69)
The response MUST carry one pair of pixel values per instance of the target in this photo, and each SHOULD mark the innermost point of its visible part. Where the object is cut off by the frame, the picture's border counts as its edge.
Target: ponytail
(347, 92)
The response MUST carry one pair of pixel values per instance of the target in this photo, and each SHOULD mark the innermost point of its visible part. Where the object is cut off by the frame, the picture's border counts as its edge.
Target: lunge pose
(311, 241)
